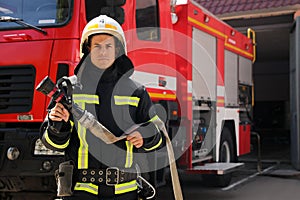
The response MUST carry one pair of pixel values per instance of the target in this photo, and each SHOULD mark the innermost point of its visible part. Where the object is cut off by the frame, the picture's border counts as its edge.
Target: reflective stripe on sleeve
(153, 119)
(57, 146)
(155, 146)
(126, 100)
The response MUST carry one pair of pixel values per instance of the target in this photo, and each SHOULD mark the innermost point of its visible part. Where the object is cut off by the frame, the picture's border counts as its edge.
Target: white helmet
(102, 24)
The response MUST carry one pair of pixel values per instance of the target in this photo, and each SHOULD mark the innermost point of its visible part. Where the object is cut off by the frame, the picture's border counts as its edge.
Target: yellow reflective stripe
(92, 26)
(86, 98)
(88, 187)
(83, 148)
(82, 100)
(155, 146)
(111, 26)
(125, 187)
(72, 125)
(119, 188)
(129, 154)
(58, 146)
(155, 118)
(126, 100)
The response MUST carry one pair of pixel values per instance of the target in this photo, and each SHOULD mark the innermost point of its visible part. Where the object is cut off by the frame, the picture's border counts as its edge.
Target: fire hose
(88, 121)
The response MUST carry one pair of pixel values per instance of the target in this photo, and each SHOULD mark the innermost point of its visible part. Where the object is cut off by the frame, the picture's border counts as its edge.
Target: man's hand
(136, 139)
(59, 113)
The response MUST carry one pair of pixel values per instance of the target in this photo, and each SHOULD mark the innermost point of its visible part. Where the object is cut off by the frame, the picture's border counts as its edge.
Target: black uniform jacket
(120, 103)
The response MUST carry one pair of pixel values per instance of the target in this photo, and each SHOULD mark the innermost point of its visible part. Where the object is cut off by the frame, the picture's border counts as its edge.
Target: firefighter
(100, 170)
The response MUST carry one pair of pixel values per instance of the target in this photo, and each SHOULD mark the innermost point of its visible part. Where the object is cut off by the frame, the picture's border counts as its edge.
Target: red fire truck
(196, 68)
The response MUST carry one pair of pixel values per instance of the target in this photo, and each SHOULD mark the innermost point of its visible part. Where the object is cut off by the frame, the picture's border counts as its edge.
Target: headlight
(40, 149)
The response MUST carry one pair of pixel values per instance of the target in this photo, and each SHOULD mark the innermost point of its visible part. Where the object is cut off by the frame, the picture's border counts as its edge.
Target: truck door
(151, 46)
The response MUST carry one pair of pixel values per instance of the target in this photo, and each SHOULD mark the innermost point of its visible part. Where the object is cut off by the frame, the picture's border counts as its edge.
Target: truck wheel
(226, 154)
(226, 146)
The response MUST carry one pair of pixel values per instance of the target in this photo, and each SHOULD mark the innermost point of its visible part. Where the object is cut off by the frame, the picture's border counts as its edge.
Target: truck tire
(226, 154)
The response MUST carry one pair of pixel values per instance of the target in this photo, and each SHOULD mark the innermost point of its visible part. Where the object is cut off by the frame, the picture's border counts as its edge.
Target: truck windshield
(42, 13)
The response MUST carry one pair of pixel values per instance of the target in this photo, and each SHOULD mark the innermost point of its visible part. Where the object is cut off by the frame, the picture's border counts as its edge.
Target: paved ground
(277, 180)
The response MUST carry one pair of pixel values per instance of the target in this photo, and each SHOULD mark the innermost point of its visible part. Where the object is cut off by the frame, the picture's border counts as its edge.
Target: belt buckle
(112, 176)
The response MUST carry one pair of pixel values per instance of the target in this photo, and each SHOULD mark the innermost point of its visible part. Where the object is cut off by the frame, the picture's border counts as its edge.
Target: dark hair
(120, 50)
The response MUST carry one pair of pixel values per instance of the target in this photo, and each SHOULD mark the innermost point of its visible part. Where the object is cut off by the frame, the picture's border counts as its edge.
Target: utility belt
(111, 180)
(110, 176)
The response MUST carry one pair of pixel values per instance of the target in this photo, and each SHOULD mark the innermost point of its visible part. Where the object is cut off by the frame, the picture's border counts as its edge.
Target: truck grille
(16, 88)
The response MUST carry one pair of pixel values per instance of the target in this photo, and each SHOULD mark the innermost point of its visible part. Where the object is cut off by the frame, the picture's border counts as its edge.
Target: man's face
(103, 50)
